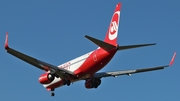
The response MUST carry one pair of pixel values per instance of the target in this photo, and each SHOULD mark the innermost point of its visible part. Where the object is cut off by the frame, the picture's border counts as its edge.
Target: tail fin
(112, 33)
(110, 40)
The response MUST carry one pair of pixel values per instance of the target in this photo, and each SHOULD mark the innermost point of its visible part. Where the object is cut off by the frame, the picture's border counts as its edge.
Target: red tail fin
(112, 33)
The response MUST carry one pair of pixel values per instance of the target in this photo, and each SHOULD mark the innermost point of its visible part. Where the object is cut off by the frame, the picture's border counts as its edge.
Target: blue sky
(53, 31)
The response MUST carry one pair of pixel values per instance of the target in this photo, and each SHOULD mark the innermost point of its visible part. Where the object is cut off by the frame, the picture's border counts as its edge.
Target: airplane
(86, 67)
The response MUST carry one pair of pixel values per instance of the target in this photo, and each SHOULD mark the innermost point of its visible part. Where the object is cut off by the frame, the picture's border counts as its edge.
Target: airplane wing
(129, 72)
(58, 72)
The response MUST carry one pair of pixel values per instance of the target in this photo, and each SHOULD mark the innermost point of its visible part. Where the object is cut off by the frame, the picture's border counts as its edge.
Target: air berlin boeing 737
(86, 66)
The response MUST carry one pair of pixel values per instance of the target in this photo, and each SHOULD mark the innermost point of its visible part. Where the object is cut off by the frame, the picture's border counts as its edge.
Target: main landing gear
(67, 82)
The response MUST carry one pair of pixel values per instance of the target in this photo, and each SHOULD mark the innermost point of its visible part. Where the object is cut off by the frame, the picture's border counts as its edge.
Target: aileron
(59, 72)
(25, 58)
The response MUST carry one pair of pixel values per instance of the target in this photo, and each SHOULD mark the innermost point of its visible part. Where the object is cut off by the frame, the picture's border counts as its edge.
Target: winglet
(172, 60)
(6, 42)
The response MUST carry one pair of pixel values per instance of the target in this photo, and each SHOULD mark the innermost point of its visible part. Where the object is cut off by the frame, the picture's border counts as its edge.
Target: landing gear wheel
(68, 82)
(52, 94)
(64, 82)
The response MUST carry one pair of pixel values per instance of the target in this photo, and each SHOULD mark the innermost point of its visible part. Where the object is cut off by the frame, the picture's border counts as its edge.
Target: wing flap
(25, 58)
(129, 72)
(58, 72)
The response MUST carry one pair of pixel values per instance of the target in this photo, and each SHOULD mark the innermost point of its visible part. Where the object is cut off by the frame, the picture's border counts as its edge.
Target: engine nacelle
(46, 78)
(92, 83)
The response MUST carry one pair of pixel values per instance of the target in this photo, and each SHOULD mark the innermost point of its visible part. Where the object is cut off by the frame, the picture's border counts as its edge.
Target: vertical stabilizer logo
(113, 28)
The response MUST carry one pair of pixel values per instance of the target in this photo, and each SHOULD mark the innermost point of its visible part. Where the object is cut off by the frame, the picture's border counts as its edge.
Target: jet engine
(46, 78)
(92, 83)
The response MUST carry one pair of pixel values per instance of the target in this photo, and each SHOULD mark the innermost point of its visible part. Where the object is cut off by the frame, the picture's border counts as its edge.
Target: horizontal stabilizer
(134, 46)
(102, 44)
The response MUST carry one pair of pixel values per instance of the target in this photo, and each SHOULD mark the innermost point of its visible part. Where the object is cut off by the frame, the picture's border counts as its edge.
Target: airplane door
(95, 55)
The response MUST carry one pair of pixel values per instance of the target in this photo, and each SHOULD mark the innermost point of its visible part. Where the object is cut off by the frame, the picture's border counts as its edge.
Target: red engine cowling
(92, 83)
(46, 78)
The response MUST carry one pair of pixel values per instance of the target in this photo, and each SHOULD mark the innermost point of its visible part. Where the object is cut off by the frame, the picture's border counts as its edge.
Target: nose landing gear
(52, 92)
(65, 82)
